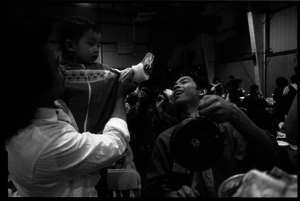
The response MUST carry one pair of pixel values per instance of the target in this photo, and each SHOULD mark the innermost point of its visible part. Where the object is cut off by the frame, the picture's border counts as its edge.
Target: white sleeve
(71, 154)
(285, 90)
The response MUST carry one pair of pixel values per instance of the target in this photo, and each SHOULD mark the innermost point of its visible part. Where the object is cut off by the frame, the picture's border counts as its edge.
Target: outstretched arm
(220, 110)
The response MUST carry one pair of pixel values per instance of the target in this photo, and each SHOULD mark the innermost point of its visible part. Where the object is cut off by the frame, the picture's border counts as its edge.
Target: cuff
(118, 124)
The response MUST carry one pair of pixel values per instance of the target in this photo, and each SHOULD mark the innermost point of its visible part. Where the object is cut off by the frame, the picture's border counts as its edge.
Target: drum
(196, 144)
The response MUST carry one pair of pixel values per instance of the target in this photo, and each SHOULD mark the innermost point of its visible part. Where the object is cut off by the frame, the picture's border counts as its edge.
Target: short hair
(216, 79)
(294, 78)
(253, 88)
(281, 81)
(74, 28)
(200, 80)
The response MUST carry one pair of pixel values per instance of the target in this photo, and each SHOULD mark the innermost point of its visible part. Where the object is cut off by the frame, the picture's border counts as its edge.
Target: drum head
(196, 144)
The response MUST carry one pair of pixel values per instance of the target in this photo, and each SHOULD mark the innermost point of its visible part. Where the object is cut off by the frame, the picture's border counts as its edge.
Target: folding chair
(123, 183)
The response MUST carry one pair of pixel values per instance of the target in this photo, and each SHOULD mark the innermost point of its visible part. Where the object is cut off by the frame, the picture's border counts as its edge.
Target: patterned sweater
(90, 93)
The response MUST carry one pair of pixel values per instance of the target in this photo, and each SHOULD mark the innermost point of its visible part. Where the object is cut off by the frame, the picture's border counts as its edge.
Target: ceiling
(143, 12)
(187, 17)
(209, 15)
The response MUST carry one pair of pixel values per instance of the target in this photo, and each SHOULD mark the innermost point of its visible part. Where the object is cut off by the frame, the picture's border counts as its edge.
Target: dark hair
(281, 81)
(28, 70)
(216, 79)
(253, 88)
(152, 89)
(74, 28)
(200, 80)
(294, 78)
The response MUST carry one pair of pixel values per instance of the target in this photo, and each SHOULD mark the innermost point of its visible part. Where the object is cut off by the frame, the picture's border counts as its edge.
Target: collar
(52, 114)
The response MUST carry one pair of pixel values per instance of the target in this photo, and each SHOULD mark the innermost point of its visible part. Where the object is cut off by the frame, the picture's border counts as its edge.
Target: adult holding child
(47, 155)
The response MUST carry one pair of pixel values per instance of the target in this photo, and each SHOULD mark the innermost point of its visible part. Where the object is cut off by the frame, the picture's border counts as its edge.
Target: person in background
(256, 109)
(229, 84)
(279, 111)
(146, 122)
(290, 127)
(235, 92)
(246, 146)
(216, 87)
(254, 99)
(131, 100)
(47, 155)
(289, 93)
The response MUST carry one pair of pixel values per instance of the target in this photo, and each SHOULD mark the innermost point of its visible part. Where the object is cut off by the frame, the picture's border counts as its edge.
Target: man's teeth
(178, 93)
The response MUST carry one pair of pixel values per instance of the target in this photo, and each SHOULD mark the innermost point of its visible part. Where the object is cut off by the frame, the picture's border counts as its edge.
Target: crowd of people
(71, 118)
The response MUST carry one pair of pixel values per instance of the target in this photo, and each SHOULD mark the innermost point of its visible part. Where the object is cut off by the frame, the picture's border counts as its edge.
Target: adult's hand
(186, 191)
(217, 108)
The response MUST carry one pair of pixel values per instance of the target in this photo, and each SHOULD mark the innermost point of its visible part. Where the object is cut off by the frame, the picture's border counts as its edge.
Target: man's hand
(216, 108)
(186, 191)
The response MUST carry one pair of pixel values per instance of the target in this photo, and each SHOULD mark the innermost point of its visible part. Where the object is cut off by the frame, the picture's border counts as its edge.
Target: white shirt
(50, 158)
(287, 89)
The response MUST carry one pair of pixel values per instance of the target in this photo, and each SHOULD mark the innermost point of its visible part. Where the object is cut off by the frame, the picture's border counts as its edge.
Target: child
(47, 156)
(90, 86)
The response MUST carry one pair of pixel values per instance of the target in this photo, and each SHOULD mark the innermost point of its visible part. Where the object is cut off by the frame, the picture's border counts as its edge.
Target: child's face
(87, 49)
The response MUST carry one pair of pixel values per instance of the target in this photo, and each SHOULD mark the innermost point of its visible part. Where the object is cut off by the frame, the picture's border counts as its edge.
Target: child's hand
(126, 82)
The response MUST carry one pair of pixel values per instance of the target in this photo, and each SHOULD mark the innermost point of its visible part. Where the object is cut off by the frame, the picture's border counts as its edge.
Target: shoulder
(165, 136)
(101, 66)
(167, 133)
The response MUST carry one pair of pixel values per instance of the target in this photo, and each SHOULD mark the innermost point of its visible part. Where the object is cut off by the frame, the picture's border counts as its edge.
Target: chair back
(123, 183)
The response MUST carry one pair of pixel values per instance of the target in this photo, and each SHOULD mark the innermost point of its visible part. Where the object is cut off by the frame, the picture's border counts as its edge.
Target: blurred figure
(289, 93)
(146, 121)
(279, 105)
(254, 99)
(229, 84)
(235, 92)
(256, 106)
(131, 100)
(216, 87)
(291, 127)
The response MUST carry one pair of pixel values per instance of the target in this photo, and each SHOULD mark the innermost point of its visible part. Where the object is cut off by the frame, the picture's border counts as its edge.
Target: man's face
(87, 48)
(185, 91)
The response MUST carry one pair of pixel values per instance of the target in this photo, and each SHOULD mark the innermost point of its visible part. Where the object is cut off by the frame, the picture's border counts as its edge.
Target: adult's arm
(65, 152)
(263, 147)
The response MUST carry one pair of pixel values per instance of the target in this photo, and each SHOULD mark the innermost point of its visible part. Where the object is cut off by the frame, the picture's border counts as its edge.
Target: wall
(114, 29)
(283, 37)
(178, 46)
(112, 34)
(233, 49)
(241, 70)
